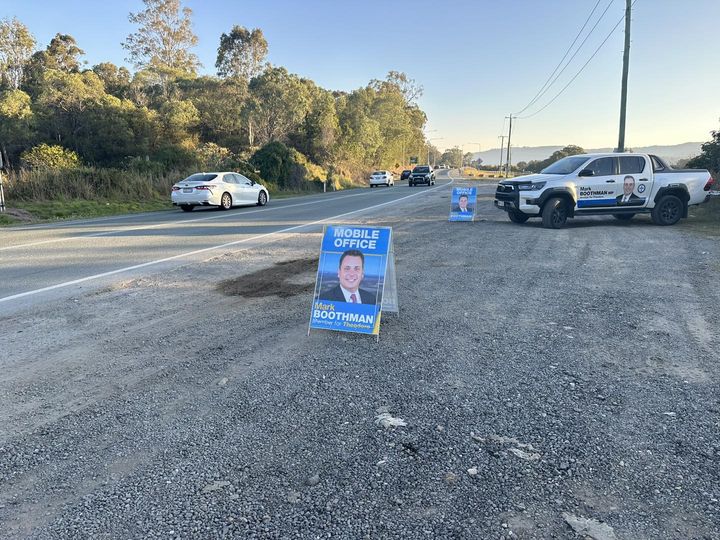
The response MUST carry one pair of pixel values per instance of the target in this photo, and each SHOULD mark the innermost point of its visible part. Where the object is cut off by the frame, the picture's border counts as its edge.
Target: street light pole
(428, 150)
(502, 145)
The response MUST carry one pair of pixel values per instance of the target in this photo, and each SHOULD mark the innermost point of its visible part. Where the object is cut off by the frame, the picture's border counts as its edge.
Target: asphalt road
(41, 262)
(552, 384)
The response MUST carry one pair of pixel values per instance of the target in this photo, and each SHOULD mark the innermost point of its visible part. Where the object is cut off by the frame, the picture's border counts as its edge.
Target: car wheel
(371, 186)
(623, 217)
(262, 199)
(667, 211)
(554, 213)
(187, 207)
(517, 217)
(225, 201)
(410, 184)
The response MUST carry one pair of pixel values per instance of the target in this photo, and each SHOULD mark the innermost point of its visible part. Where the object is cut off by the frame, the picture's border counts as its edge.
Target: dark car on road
(405, 174)
(422, 174)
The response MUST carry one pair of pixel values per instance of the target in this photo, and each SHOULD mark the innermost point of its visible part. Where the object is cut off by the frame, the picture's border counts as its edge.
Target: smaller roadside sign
(413, 160)
(462, 204)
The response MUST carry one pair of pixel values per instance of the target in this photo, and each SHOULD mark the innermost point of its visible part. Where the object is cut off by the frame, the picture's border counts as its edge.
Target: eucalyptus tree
(241, 53)
(163, 42)
(16, 46)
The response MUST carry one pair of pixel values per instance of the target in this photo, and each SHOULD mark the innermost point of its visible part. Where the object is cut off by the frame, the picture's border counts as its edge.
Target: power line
(602, 15)
(542, 88)
(579, 72)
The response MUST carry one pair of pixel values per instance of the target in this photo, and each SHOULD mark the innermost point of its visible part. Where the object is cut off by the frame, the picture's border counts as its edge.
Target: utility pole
(507, 161)
(626, 65)
(502, 146)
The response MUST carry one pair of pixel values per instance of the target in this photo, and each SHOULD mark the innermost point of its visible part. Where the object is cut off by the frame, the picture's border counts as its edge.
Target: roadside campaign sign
(355, 281)
(462, 204)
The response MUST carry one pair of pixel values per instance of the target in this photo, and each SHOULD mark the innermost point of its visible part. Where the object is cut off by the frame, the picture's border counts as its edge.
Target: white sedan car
(382, 178)
(221, 189)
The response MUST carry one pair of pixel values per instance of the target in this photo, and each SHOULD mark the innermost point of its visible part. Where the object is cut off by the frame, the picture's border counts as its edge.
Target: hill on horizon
(670, 153)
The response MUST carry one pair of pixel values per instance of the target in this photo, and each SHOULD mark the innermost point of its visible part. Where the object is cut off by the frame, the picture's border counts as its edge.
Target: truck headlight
(534, 186)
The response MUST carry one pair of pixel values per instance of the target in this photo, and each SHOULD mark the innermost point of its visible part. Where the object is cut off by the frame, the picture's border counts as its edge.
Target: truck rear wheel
(554, 213)
(667, 211)
(517, 217)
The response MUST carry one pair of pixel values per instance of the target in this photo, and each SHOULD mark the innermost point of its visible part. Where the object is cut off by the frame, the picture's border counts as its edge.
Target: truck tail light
(709, 184)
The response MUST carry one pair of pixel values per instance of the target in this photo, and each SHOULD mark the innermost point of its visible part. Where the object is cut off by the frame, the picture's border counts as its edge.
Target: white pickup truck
(620, 185)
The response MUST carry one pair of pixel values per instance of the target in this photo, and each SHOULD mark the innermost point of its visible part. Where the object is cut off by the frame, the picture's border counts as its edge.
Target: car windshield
(200, 177)
(565, 165)
(378, 173)
(421, 169)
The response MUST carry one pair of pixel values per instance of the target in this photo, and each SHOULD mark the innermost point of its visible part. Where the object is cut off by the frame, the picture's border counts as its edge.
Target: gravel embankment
(545, 377)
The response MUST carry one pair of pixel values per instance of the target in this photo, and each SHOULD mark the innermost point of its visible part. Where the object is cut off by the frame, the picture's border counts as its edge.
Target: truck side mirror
(586, 172)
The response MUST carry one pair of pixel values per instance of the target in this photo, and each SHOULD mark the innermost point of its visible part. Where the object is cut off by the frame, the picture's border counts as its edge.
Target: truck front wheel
(517, 217)
(667, 211)
(554, 213)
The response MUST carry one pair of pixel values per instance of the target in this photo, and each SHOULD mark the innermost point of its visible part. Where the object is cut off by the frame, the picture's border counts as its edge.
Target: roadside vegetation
(113, 137)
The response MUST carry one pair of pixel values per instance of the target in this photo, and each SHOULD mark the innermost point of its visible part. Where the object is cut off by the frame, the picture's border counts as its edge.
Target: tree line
(55, 113)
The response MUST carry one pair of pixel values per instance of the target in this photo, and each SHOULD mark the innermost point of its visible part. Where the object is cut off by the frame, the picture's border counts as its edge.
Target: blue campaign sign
(462, 204)
(351, 279)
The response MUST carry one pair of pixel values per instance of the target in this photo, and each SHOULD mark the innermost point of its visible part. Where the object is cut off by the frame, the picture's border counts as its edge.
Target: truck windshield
(421, 170)
(566, 165)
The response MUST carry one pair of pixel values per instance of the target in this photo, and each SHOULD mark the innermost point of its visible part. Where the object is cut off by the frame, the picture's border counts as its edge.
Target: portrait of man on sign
(628, 198)
(351, 272)
(462, 205)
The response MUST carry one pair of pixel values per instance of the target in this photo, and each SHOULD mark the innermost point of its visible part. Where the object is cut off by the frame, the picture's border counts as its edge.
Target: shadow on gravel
(285, 279)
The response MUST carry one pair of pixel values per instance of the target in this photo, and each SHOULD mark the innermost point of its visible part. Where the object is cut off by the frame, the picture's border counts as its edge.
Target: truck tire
(668, 210)
(517, 217)
(624, 217)
(554, 213)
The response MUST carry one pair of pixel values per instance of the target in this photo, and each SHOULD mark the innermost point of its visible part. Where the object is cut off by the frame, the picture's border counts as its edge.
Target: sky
(478, 61)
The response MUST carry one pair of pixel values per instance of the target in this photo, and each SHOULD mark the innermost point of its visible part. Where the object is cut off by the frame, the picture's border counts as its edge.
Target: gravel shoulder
(545, 377)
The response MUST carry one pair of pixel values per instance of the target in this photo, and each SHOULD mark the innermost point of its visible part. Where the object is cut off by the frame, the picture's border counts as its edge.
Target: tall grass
(89, 183)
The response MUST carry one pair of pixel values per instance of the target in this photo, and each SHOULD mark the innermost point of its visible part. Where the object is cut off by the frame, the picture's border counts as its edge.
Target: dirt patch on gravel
(284, 279)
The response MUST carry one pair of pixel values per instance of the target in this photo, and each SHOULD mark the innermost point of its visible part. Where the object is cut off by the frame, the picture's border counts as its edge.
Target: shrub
(288, 168)
(50, 157)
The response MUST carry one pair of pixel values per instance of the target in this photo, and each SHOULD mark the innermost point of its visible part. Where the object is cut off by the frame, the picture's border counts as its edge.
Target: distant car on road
(382, 178)
(405, 174)
(221, 189)
(422, 174)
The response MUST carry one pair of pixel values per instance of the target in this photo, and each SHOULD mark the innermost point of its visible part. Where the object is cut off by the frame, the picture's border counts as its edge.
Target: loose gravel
(535, 383)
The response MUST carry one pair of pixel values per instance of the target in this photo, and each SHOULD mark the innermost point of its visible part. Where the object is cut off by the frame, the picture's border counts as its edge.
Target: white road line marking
(168, 223)
(212, 248)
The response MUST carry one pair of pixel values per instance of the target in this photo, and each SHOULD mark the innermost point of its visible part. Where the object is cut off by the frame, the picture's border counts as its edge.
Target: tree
(280, 104)
(399, 81)
(241, 53)
(221, 108)
(162, 43)
(15, 121)
(62, 102)
(16, 47)
(570, 150)
(116, 79)
(63, 54)
(178, 118)
(709, 158)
